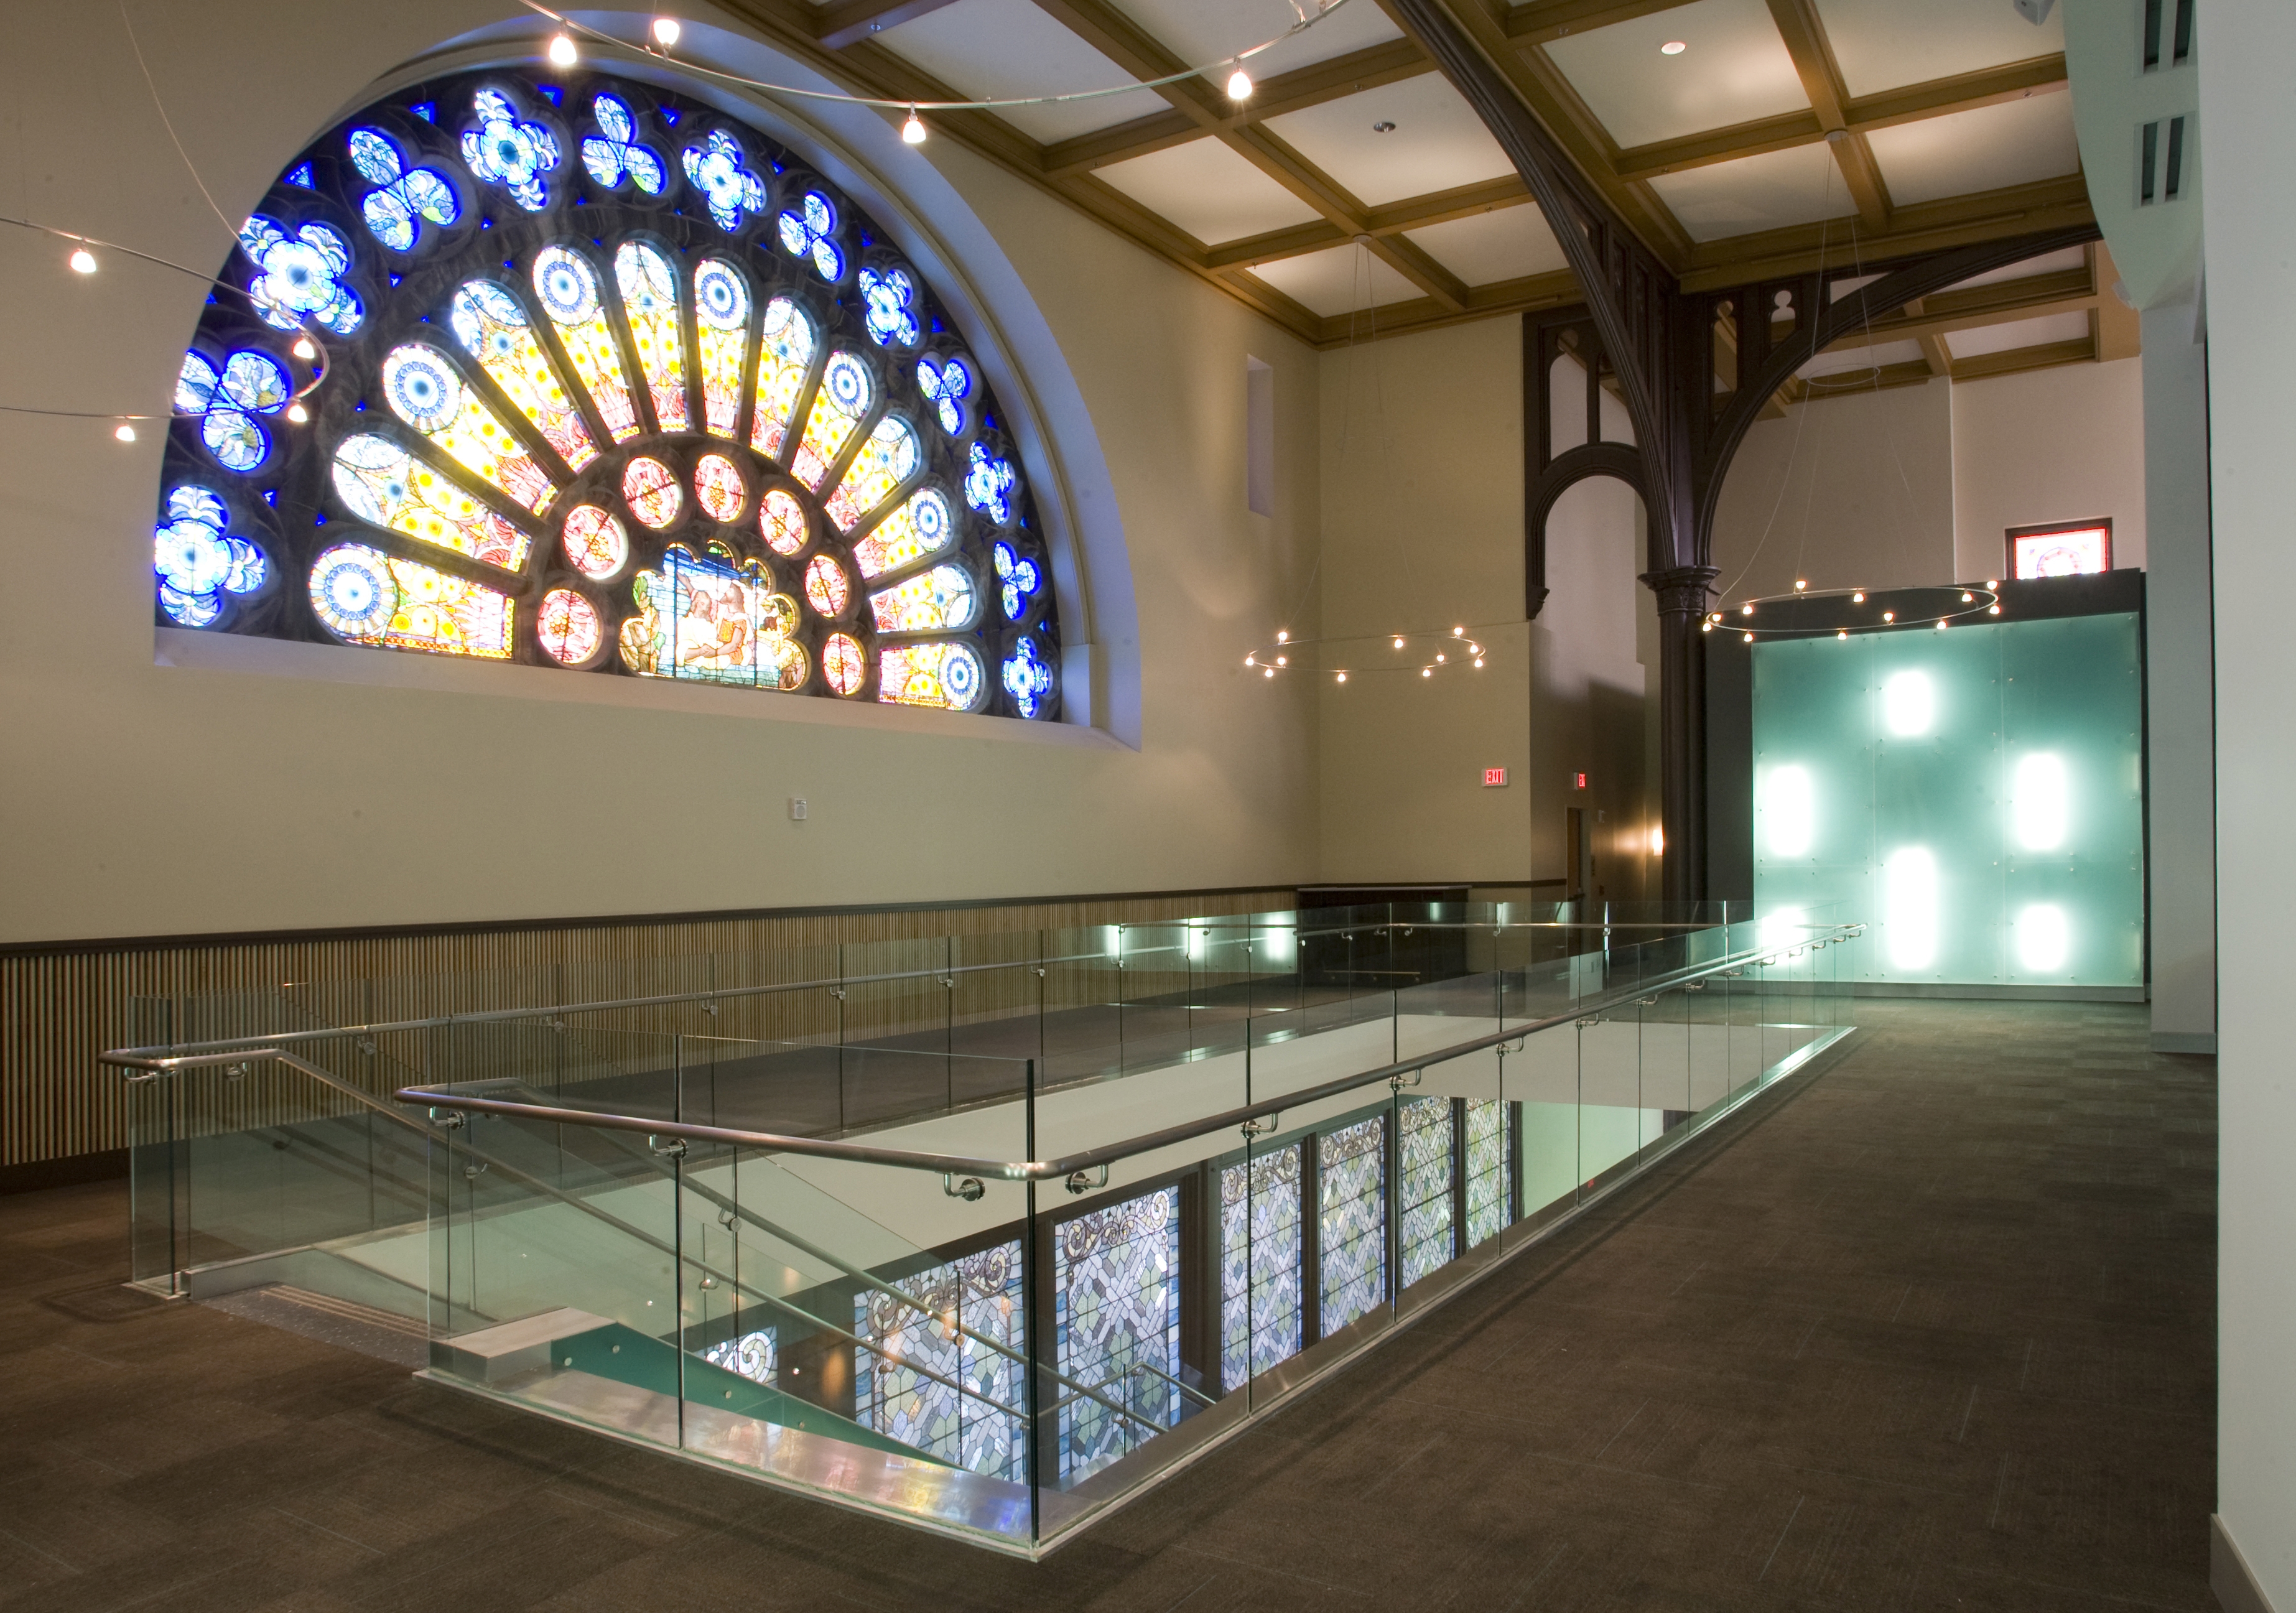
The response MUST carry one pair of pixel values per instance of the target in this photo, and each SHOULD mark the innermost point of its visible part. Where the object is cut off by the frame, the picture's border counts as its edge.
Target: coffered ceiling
(1356, 190)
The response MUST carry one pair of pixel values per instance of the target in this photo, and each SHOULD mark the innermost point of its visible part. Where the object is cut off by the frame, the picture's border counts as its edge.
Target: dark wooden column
(1654, 343)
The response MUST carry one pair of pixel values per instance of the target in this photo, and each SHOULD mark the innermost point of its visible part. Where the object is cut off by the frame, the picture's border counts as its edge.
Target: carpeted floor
(1934, 1330)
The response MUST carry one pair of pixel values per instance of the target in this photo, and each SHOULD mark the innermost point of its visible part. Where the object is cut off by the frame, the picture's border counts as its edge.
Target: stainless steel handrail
(160, 1058)
(1066, 1165)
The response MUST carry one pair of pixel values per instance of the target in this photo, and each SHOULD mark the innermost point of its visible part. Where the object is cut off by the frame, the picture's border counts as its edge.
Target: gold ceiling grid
(840, 39)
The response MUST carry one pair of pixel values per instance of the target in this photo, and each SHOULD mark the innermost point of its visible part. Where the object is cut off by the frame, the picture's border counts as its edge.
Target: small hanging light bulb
(1840, 635)
(1268, 671)
(1458, 632)
(913, 132)
(1252, 659)
(562, 50)
(1889, 616)
(1706, 626)
(1990, 584)
(1283, 635)
(1966, 596)
(1801, 583)
(1478, 661)
(666, 31)
(1238, 84)
(1282, 660)
(304, 350)
(1857, 598)
(1427, 672)
(1941, 624)
(124, 431)
(1439, 655)
(1992, 610)
(297, 412)
(1745, 610)
(1750, 638)
(1343, 678)
(83, 261)
(1398, 643)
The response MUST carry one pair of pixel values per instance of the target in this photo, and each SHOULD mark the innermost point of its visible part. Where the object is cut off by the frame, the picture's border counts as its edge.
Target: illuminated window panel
(567, 287)
(706, 621)
(1261, 1246)
(842, 663)
(1490, 1196)
(1353, 1207)
(385, 486)
(650, 489)
(568, 627)
(596, 544)
(826, 587)
(784, 359)
(981, 1294)
(781, 521)
(492, 329)
(946, 675)
(1424, 1208)
(719, 487)
(426, 391)
(848, 393)
(2062, 552)
(921, 527)
(889, 458)
(721, 320)
(367, 597)
(1116, 1295)
(649, 288)
(942, 600)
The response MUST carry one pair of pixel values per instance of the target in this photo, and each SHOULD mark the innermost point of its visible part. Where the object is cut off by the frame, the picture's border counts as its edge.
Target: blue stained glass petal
(195, 384)
(374, 156)
(428, 110)
(236, 441)
(300, 173)
(828, 262)
(989, 485)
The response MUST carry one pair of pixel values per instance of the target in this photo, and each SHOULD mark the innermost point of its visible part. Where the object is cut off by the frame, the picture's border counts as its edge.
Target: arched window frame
(286, 508)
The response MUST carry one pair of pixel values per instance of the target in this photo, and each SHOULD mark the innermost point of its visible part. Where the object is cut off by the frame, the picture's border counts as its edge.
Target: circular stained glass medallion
(782, 518)
(651, 492)
(843, 664)
(569, 627)
(825, 588)
(595, 541)
(717, 485)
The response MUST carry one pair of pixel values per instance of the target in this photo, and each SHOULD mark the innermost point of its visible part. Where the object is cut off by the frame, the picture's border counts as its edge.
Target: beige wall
(1918, 484)
(2048, 445)
(204, 784)
(1422, 530)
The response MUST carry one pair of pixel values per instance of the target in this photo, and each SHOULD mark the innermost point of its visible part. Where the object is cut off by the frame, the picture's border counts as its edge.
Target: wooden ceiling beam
(2024, 209)
(2044, 355)
(1388, 64)
(1804, 33)
(2004, 302)
(2119, 332)
(1542, 21)
(1414, 213)
(1552, 290)
(854, 21)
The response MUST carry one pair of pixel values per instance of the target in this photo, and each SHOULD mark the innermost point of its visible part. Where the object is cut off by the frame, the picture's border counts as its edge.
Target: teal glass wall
(1975, 794)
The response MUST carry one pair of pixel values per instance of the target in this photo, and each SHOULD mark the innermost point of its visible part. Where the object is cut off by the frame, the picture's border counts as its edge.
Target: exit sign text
(1495, 778)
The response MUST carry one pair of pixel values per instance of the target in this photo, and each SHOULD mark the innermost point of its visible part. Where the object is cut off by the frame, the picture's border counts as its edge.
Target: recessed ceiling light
(1672, 47)
(1382, 128)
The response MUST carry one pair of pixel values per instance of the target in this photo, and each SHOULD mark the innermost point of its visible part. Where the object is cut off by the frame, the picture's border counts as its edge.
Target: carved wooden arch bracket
(1622, 462)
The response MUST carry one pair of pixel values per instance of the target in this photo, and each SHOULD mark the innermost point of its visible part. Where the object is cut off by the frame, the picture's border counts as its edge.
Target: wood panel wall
(62, 1006)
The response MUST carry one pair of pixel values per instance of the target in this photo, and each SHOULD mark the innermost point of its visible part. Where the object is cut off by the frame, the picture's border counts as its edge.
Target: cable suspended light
(83, 261)
(561, 51)
(913, 132)
(124, 431)
(1238, 84)
(666, 30)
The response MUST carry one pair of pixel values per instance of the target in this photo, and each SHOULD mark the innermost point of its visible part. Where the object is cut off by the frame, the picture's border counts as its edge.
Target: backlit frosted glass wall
(1975, 795)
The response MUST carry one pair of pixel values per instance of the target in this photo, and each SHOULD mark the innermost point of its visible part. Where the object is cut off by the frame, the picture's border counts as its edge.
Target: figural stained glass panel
(488, 327)
(981, 1429)
(1352, 1221)
(1115, 1287)
(1261, 1253)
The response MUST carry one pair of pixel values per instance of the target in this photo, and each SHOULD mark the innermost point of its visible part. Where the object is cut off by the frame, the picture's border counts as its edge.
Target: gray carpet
(1934, 1330)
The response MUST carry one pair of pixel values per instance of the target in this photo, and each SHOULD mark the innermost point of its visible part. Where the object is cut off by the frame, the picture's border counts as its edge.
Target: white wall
(2066, 443)
(2250, 232)
(253, 785)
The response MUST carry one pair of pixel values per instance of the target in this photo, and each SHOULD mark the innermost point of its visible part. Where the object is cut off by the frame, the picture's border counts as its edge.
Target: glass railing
(1013, 1224)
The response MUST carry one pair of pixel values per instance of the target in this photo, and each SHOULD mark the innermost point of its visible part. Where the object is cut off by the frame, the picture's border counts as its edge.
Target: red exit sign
(1495, 778)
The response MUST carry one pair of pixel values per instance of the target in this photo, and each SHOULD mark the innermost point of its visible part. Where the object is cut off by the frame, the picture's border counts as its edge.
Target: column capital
(1684, 590)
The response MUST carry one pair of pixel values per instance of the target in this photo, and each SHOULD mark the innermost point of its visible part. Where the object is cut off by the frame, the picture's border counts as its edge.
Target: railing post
(1032, 1311)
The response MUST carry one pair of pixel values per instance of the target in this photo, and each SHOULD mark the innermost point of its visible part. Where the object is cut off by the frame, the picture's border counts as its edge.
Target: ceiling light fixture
(913, 132)
(83, 261)
(1239, 85)
(304, 350)
(1382, 128)
(298, 414)
(664, 31)
(124, 432)
(1673, 47)
(562, 50)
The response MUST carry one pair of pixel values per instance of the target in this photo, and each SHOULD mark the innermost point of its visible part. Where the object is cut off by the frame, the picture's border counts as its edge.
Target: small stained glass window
(649, 488)
(569, 627)
(843, 664)
(781, 519)
(2081, 549)
(826, 587)
(717, 488)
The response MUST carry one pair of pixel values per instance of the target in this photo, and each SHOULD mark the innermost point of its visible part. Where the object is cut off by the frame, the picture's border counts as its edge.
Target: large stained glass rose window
(588, 375)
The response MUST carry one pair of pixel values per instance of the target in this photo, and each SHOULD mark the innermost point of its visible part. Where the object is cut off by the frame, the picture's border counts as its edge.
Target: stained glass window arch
(583, 373)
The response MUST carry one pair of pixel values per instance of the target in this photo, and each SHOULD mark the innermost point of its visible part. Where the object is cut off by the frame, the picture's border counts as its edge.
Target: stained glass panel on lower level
(367, 597)
(385, 486)
(1352, 1222)
(1115, 1287)
(1424, 1187)
(427, 392)
(706, 621)
(1260, 1250)
(1490, 1193)
(982, 1428)
(752, 1355)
